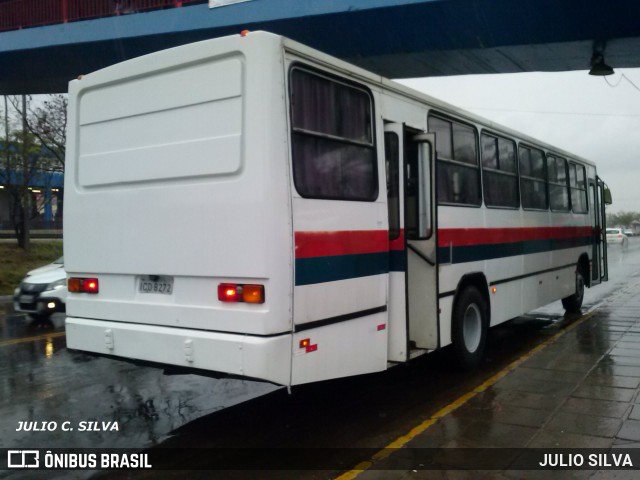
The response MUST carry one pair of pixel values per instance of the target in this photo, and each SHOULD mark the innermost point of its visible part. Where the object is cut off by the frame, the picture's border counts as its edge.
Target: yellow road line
(457, 403)
(44, 336)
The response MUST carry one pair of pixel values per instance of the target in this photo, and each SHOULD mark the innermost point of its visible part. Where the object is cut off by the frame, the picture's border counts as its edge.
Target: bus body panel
(170, 175)
(340, 350)
(341, 272)
(266, 358)
(322, 290)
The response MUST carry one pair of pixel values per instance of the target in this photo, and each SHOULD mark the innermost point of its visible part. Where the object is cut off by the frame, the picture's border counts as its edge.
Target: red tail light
(229, 292)
(232, 292)
(83, 285)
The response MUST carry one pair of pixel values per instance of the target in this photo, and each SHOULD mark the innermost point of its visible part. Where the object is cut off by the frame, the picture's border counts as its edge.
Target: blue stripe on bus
(475, 253)
(340, 267)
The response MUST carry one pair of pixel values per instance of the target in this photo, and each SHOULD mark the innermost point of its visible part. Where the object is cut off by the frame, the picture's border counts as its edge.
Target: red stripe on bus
(353, 242)
(459, 237)
(348, 242)
(398, 243)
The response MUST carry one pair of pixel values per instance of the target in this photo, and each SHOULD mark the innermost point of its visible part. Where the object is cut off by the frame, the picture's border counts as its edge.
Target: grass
(15, 262)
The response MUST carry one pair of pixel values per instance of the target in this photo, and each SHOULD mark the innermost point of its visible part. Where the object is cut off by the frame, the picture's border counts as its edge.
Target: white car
(616, 235)
(43, 291)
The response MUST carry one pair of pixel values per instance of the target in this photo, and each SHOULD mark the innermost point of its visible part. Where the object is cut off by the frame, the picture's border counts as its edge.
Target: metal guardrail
(34, 235)
(35, 224)
(18, 14)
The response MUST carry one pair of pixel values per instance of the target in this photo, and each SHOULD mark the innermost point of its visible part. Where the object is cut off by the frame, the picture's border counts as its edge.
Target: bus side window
(332, 140)
(499, 172)
(533, 179)
(578, 181)
(458, 169)
(558, 184)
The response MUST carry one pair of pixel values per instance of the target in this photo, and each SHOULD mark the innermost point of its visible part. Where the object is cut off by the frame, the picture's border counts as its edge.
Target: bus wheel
(469, 333)
(572, 303)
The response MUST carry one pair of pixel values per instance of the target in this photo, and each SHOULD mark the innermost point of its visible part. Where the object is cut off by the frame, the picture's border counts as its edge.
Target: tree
(35, 146)
(622, 219)
(48, 123)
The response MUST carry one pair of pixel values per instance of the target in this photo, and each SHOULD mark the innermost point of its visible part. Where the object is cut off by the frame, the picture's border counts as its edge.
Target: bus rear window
(333, 148)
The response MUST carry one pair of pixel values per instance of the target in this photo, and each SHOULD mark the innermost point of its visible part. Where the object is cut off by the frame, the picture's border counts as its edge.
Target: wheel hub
(472, 327)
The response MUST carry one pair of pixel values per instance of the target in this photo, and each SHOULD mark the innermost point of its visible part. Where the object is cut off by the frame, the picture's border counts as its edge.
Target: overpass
(396, 38)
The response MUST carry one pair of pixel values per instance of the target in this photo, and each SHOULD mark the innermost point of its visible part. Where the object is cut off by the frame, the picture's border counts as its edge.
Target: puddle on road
(74, 400)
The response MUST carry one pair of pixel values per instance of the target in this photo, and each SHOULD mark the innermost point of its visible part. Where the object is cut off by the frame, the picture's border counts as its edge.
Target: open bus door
(605, 199)
(421, 235)
(413, 298)
(599, 195)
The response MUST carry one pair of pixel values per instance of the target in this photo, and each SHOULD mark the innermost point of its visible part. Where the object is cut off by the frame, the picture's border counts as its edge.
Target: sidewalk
(579, 390)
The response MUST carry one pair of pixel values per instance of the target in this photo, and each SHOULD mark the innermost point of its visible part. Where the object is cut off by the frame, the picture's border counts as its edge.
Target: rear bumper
(39, 305)
(265, 358)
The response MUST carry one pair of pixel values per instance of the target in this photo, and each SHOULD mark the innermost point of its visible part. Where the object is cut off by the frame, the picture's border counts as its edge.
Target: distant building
(47, 195)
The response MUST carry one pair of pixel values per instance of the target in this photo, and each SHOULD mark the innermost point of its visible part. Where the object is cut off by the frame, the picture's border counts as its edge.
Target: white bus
(252, 207)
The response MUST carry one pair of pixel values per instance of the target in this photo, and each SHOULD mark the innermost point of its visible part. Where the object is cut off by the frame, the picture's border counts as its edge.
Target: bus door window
(597, 234)
(392, 166)
(418, 189)
(411, 189)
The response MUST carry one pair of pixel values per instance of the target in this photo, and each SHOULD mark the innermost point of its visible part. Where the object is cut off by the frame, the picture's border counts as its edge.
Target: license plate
(156, 284)
(26, 298)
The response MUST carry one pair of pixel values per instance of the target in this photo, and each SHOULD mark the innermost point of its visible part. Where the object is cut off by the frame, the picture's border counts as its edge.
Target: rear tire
(469, 328)
(573, 303)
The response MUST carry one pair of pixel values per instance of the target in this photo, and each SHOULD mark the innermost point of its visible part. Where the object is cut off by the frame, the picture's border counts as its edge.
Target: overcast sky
(573, 110)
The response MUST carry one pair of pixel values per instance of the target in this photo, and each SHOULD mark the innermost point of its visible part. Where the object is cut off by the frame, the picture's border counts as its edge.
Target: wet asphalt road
(40, 381)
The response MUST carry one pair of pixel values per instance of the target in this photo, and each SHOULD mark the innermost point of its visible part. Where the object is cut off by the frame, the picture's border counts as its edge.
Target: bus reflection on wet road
(44, 383)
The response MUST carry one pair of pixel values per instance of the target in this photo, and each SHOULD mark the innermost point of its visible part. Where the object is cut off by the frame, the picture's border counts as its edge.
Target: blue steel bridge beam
(396, 38)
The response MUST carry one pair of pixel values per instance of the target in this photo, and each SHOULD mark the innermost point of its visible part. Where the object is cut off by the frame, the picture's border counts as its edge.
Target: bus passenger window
(333, 148)
(558, 185)
(533, 181)
(578, 181)
(499, 173)
(457, 170)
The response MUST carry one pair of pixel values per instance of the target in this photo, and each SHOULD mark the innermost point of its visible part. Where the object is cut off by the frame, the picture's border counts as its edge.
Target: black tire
(573, 303)
(469, 328)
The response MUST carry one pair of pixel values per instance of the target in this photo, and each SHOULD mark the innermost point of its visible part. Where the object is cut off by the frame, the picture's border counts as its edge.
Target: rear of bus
(177, 221)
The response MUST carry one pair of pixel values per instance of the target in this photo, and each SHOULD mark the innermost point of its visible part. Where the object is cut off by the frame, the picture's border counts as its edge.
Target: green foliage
(16, 262)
